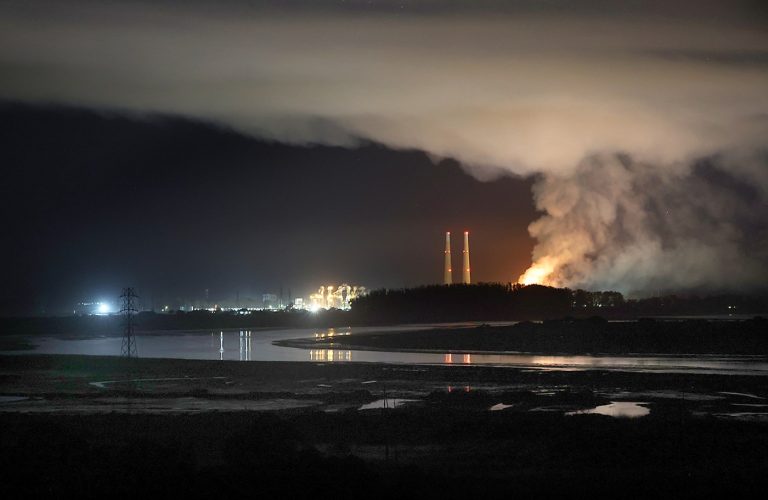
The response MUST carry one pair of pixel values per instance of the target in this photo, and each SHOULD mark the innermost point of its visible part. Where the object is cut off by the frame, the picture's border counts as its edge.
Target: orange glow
(540, 273)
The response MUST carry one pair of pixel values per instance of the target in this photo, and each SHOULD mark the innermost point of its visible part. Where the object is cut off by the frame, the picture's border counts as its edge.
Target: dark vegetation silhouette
(487, 301)
(496, 301)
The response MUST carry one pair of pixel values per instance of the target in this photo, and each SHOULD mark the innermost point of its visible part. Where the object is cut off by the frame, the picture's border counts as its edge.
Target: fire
(539, 273)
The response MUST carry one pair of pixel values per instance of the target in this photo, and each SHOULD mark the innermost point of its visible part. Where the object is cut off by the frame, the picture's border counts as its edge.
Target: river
(257, 345)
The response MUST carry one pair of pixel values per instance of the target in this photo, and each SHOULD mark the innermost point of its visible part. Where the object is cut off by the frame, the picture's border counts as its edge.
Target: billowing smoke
(645, 128)
(619, 224)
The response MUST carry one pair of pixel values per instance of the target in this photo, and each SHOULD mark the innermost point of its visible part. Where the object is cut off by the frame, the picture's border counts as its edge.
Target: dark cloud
(92, 201)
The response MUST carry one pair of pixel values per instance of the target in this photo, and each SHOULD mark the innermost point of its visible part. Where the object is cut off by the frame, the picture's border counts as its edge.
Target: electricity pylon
(127, 311)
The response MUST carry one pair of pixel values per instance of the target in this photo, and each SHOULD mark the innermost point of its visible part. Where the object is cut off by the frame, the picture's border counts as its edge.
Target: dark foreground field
(447, 452)
(98, 427)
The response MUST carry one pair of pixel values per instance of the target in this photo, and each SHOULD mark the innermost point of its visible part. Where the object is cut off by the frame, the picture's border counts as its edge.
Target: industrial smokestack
(448, 273)
(465, 269)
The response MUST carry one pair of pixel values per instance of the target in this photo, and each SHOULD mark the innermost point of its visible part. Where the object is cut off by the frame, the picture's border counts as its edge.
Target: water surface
(257, 345)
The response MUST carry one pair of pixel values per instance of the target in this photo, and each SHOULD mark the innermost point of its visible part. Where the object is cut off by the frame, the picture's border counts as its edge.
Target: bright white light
(314, 308)
(103, 308)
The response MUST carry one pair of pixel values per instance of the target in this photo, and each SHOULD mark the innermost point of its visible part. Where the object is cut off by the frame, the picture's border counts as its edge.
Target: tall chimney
(448, 273)
(465, 270)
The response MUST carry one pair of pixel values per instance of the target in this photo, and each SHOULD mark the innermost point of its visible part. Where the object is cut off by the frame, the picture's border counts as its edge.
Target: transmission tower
(127, 311)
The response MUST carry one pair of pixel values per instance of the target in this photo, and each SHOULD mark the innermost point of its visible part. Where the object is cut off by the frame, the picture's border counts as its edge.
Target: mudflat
(73, 424)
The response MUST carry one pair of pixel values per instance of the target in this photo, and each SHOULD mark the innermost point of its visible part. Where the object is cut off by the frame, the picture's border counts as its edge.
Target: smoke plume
(619, 224)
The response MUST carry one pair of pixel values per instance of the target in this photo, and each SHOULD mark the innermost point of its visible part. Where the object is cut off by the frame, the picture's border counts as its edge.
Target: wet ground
(87, 384)
(96, 426)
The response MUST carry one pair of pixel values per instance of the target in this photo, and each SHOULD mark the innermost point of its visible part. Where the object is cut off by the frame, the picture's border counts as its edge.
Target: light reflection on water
(388, 403)
(330, 355)
(466, 388)
(621, 409)
(465, 359)
(257, 345)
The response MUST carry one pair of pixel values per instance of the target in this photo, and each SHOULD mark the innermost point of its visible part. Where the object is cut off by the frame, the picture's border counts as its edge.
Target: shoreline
(311, 344)
(592, 337)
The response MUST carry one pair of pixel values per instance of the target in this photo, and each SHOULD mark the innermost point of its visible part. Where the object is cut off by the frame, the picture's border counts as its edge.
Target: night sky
(97, 200)
(245, 146)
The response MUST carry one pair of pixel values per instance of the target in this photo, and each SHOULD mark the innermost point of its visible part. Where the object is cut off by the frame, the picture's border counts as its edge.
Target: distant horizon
(228, 304)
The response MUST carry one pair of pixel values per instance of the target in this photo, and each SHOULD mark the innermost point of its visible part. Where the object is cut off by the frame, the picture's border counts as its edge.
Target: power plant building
(335, 297)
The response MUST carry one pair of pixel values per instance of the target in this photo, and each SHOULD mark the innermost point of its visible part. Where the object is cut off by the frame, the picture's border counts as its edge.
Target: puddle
(662, 394)
(499, 407)
(745, 416)
(386, 403)
(12, 399)
(103, 383)
(550, 408)
(623, 409)
(743, 394)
